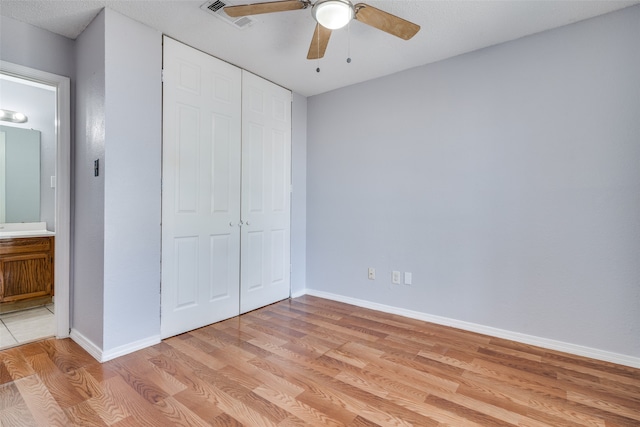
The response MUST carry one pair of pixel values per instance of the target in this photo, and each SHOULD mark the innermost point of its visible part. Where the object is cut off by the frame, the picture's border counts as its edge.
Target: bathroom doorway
(48, 115)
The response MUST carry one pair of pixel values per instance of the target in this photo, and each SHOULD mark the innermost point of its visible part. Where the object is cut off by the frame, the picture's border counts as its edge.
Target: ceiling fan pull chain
(349, 43)
(318, 48)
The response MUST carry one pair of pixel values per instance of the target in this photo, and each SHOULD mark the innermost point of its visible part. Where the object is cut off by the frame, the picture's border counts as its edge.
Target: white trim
(300, 293)
(130, 348)
(63, 185)
(575, 349)
(32, 83)
(63, 208)
(86, 344)
(3, 175)
(104, 356)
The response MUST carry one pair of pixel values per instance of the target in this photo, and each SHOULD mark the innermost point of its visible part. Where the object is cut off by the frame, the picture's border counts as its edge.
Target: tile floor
(25, 326)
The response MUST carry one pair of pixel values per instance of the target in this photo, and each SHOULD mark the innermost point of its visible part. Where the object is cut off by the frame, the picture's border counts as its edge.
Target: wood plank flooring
(314, 362)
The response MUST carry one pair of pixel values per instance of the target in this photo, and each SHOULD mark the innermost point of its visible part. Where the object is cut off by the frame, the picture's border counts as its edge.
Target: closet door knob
(247, 222)
(230, 224)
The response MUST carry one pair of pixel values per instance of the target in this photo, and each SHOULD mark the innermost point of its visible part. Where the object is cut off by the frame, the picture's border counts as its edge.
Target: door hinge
(162, 75)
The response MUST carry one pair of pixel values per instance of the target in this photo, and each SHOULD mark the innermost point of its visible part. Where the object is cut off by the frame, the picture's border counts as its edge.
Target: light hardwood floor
(310, 361)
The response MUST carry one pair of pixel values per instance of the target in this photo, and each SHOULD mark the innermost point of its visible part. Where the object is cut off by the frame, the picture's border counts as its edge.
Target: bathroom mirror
(19, 175)
(28, 171)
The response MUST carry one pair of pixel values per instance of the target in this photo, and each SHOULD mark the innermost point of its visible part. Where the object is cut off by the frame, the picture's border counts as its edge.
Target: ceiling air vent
(216, 8)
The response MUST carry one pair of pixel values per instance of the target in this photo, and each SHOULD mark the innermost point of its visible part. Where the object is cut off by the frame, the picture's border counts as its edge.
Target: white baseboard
(104, 356)
(130, 348)
(86, 344)
(298, 294)
(579, 350)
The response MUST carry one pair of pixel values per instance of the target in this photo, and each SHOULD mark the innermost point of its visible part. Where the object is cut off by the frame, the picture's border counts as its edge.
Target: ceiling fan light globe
(332, 14)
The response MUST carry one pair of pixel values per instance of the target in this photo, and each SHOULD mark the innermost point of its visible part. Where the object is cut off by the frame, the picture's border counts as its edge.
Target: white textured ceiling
(276, 45)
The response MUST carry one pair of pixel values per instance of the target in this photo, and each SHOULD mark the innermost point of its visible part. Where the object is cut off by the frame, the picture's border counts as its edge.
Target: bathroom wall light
(12, 116)
(332, 14)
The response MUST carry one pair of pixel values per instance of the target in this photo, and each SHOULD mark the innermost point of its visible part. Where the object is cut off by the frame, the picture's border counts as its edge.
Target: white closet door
(266, 188)
(201, 189)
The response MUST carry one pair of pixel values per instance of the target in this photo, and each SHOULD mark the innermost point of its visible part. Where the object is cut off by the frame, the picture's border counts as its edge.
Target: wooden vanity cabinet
(26, 268)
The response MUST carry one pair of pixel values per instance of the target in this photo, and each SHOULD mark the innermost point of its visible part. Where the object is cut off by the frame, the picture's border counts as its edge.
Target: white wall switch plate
(395, 277)
(407, 278)
(372, 273)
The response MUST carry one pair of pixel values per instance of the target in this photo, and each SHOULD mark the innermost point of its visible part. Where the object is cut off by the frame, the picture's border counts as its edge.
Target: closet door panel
(254, 152)
(266, 187)
(222, 266)
(200, 189)
(186, 193)
(254, 260)
(185, 266)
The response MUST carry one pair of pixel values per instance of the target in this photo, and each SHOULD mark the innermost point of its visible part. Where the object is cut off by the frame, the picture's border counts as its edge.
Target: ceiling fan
(331, 15)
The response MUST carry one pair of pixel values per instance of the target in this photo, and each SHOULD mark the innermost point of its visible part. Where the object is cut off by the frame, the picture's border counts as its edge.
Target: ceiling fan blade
(267, 7)
(319, 42)
(385, 21)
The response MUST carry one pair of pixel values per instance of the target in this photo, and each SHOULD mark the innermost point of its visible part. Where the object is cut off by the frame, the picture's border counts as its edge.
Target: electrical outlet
(407, 278)
(395, 277)
(372, 273)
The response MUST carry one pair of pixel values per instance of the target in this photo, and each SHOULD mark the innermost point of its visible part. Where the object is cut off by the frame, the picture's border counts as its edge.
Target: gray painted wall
(87, 291)
(33, 47)
(132, 171)
(117, 228)
(506, 180)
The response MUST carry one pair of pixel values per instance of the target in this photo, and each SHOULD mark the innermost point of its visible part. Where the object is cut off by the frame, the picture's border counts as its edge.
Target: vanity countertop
(24, 229)
(32, 233)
